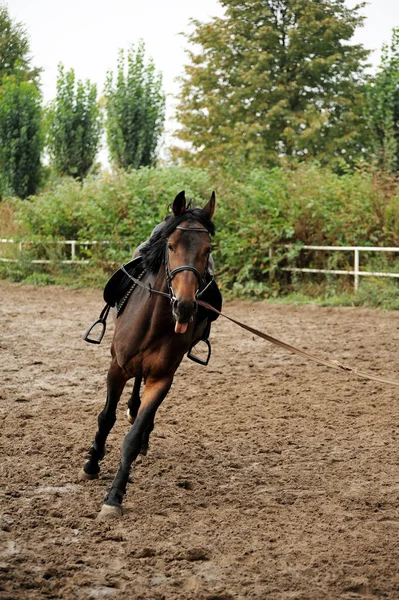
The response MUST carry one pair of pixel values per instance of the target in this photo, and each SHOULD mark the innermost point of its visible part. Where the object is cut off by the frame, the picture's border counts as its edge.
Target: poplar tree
(135, 107)
(21, 139)
(273, 78)
(383, 106)
(74, 125)
(15, 50)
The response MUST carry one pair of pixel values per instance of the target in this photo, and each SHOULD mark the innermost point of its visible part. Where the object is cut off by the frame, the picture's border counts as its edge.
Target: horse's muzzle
(183, 311)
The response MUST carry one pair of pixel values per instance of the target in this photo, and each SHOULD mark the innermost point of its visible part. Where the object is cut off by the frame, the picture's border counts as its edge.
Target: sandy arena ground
(267, 476)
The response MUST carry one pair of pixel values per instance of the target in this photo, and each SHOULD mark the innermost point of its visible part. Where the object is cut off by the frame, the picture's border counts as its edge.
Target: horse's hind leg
(145, 440)
(133, 408)
(134, 401)
(116, 380)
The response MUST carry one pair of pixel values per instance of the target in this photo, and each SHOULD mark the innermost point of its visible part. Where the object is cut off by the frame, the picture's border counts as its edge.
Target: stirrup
(101, 321)
(197, 359)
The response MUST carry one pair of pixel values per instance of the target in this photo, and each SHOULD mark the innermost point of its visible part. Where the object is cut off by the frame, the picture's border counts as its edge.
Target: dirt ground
(267, 476)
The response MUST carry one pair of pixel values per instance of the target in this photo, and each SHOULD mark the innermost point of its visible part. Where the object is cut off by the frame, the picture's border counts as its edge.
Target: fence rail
(355, 272)
(71, 243)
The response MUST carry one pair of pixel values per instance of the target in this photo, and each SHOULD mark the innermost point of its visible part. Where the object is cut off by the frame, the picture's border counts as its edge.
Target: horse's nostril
(184, 309)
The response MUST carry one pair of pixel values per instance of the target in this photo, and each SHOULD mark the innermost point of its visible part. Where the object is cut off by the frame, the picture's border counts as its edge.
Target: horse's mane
(153, 252)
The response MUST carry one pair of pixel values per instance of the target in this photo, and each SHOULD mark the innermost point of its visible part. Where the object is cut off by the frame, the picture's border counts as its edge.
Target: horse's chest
(157, 358)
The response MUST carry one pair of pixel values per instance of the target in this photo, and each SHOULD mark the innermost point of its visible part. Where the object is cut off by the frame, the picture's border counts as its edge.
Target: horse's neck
(161, 304)
(158, 282)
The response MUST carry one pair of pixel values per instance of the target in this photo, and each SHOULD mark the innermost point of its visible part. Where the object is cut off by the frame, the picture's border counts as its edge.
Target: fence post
(270, 263)
(73, 247)
(356, 269)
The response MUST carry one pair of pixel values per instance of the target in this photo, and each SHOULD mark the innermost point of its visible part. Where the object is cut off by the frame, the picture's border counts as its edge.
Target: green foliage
(15, 50)
(383, 106)
(135, 110)
(378, 293)
(74, 125)
(305, 205)
(123, 207)
(20, 137)
(274, 78)
(265, 210)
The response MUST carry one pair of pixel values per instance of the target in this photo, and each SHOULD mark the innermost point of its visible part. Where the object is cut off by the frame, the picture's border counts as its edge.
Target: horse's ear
(209, 209)
(179, 204)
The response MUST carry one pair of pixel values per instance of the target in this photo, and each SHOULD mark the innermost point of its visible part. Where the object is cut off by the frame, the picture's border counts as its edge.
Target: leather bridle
(203, 284)
(202, 279)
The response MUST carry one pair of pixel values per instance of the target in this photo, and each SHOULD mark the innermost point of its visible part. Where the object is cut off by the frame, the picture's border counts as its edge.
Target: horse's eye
(170, 247)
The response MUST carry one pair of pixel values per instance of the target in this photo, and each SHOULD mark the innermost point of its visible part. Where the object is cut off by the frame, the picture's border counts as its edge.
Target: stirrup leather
(197, 359)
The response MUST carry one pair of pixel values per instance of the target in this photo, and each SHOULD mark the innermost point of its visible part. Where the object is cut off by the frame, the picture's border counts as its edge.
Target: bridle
(202, 279)
(204, 284)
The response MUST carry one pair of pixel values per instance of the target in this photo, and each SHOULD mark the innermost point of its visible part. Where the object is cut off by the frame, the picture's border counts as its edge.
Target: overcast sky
(86, 34)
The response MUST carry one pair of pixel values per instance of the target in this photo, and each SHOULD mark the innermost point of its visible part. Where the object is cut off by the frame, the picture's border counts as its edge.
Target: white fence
(355, 272)
(71, 243)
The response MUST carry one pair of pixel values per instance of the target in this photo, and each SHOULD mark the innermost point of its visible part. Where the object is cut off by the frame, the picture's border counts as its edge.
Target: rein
(327, 362)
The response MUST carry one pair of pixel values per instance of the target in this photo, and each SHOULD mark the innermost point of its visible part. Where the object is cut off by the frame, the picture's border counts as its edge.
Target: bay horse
(153, 334)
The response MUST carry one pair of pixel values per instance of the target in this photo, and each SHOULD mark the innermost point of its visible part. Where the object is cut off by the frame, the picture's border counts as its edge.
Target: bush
(256, 213)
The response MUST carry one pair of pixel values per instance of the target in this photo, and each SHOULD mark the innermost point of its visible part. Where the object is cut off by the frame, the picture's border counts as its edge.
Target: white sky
(86, 34)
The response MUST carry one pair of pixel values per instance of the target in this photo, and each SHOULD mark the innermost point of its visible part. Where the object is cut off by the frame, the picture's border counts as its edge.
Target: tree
(20, 137)
(14, 50)
(74, 125)
(135, 110)
(273, 78)
(383, 106)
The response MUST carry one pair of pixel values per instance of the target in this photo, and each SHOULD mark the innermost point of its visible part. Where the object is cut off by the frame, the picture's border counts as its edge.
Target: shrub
(257, 215)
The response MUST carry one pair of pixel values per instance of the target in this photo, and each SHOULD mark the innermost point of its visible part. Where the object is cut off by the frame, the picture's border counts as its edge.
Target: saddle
(120, 287)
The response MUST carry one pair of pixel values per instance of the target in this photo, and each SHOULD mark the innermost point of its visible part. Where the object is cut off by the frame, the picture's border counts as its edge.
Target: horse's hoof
(83, 476)
(129, 417)
(109, 512)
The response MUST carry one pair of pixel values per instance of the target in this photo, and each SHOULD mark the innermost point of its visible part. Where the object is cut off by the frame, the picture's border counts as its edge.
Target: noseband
(171, 274)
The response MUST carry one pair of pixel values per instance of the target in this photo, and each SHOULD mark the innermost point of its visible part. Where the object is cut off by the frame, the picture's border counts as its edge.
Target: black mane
(153, 252)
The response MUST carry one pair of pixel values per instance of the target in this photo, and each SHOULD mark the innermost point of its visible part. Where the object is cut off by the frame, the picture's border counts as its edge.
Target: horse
(152, 335)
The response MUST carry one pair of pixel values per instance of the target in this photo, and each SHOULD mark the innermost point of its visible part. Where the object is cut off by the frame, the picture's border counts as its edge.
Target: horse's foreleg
(154, 392)
(116, 380)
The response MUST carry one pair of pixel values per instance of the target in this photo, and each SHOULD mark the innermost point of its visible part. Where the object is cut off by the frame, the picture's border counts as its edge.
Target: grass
(373, 292)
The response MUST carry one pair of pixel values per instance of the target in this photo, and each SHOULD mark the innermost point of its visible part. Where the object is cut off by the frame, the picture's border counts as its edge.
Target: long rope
(327, 362)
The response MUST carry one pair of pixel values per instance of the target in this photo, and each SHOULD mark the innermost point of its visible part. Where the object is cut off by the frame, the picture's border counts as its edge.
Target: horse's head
(187, 257)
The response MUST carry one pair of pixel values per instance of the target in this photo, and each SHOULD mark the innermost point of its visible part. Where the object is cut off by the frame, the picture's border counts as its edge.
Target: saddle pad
(119, 283)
